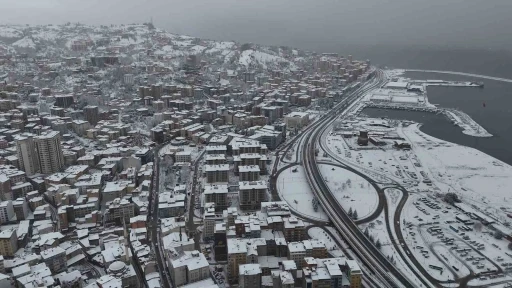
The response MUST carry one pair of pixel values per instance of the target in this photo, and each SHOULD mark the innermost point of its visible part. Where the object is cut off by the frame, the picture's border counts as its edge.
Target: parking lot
(451, 244)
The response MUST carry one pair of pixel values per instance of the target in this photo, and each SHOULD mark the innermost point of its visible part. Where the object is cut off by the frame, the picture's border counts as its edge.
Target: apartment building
(215, 159)
(330, 272)
(237, 255)
(28, 159)
(218, 194)
(216, 173)
(216, 149)
(6, 211)
(250, 276)
(354, 273)
(315, 248)
(21, 189)
(294, 229)
(183, 156)
(189, 267)
(220, 242)
(209, 219)
(55, 259)
(170, 205)
(296, 120)
(91, 114)
(251, 194)
(296, 252)
(8, 242)
(120, 210)
(49, 151)
(249, 173)
(21, 210)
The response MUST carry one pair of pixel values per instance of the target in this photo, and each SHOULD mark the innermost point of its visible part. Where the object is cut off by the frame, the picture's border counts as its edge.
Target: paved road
(359, 243)
(191, 227)
(153, 220)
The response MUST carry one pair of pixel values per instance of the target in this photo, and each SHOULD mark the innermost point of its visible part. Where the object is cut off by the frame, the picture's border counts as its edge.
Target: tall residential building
(49, 151)
(55, 259)
(21, 210)
(217, 194)
(91, 114)
(5, 187)
(252, 193)
(8, 242)
(209, 219)
(216, 173)
(250, 276)
(28, 160)
(237, 256)
(6, 211)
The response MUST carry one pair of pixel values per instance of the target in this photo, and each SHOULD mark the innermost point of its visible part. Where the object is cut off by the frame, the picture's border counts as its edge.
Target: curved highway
(366, 251)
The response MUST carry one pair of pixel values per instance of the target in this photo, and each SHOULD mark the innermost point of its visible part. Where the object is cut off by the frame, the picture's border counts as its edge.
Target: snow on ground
(377, 230)
(46, 35)
(351, 190)
(197, 49)
(24, 42)
(228, 55)
(294, 189)
(250, 56)
(394, 73)
(215, 47)
(10, 32)
(130, 41)
(375, 163)
(466, 123)
(168, 50)
(476, 177)
(419, 240)
(429, 227)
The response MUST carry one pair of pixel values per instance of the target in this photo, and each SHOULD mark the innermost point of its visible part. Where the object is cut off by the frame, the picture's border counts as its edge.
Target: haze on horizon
(306, 24)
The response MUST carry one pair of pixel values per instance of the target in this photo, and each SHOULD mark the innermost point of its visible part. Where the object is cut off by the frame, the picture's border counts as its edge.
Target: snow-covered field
(433, 167)
(351, 191)
(294, 189)
(476, 177)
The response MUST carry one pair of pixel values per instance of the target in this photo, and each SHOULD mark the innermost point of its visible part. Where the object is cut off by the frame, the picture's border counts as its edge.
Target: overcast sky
(302, 23)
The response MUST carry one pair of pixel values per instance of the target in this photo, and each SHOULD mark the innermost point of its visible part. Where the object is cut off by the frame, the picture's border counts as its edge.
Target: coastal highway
(371, 257)
(462, 74)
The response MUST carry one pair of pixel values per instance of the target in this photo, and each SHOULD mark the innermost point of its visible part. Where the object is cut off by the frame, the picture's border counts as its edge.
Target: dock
(447, 83)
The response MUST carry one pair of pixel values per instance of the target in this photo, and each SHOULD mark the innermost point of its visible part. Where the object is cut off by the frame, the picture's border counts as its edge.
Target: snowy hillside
(137, 38)
(10, 32)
